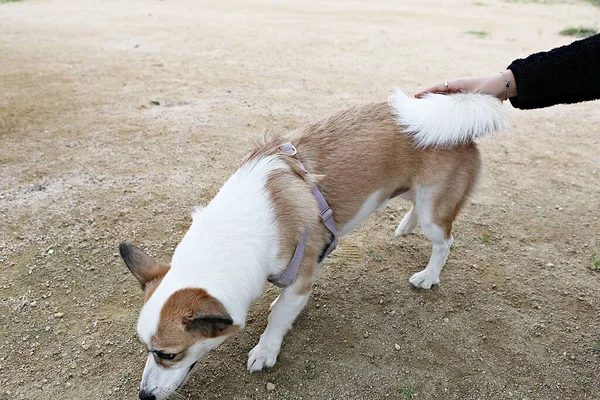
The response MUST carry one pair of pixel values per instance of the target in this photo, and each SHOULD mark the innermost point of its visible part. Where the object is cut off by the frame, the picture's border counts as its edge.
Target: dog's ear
(210, 317)
(208, 325)
(141, 265)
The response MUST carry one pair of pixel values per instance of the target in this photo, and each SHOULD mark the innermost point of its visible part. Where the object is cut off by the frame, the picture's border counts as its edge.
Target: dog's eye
(165, 356)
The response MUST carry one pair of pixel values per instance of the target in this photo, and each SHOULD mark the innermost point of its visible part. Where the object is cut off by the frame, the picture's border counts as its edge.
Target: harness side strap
(326, 215)
(287, 276)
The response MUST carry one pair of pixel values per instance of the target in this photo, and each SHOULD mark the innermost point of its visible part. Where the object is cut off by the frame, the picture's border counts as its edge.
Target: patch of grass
(540, 214)
(375, 256)
(480, 34)
(343, 263)
(10, 1)
(595, 262)
(484, 238)
(580, 31)
(406, 392)
(532, 1)
(593, 2)
(597, 345)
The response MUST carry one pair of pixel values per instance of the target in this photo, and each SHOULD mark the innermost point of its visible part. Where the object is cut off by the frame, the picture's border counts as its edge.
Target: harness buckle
(288, 149)
(326, 214)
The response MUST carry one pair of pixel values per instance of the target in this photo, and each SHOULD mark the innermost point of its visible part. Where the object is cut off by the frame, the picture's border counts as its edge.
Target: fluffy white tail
(448, 120)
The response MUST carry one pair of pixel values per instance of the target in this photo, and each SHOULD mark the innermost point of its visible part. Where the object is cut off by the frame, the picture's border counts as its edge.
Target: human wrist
(512, 83)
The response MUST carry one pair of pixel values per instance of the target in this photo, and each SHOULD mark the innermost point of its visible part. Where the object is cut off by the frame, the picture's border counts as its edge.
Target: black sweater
(567, 74)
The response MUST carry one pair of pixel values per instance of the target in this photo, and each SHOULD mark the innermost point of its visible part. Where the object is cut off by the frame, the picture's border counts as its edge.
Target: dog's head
(177, 324)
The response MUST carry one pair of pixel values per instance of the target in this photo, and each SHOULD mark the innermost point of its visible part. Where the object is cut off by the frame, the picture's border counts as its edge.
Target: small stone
(59, 315)
(270, 386)
(397, 347)
(366, 335)
(446, 319)
(51, 251)
(549, 265)
(37, 188)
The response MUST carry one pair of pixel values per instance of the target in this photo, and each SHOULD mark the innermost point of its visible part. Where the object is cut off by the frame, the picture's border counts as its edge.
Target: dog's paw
(262, 358)
(424, 280)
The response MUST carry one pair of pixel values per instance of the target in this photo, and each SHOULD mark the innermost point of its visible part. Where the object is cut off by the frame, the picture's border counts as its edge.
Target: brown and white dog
(359, 158)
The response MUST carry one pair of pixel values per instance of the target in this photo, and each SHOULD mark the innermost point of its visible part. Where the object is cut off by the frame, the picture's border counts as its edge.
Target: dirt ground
(118, 117)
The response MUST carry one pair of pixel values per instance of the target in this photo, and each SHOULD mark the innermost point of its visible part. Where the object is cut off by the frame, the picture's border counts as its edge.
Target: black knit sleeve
(567, 74)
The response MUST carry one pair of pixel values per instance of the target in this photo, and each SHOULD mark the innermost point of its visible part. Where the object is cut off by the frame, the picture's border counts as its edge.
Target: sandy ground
(118, 117)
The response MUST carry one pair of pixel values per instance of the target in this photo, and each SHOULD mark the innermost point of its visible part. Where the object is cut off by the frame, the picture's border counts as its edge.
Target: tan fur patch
(455, 176)
(172, 335)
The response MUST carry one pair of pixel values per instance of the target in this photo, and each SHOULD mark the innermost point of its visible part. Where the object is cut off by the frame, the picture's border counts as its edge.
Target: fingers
(434, 89)
(453, 87)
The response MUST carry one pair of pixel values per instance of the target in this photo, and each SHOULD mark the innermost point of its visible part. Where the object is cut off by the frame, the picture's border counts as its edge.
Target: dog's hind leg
(439, 232)
(437, 206)
(408, 223)
(284, 311)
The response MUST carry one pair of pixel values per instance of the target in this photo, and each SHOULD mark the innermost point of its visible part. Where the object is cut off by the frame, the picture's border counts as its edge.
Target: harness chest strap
(287, 276)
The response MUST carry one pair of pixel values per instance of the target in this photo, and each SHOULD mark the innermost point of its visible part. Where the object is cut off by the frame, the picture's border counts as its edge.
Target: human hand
(494, 85)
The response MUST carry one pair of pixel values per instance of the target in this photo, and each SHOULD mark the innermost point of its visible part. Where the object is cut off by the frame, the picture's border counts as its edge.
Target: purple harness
(287, 276)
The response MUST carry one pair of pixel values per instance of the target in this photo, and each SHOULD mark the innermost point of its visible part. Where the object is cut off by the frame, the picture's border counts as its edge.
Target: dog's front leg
(283, 313)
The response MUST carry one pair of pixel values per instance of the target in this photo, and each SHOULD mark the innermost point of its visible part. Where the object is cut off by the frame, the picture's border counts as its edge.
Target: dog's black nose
(146, 396)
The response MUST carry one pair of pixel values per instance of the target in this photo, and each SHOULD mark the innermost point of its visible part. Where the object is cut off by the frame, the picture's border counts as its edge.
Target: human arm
(567, 74)
(494, 85)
